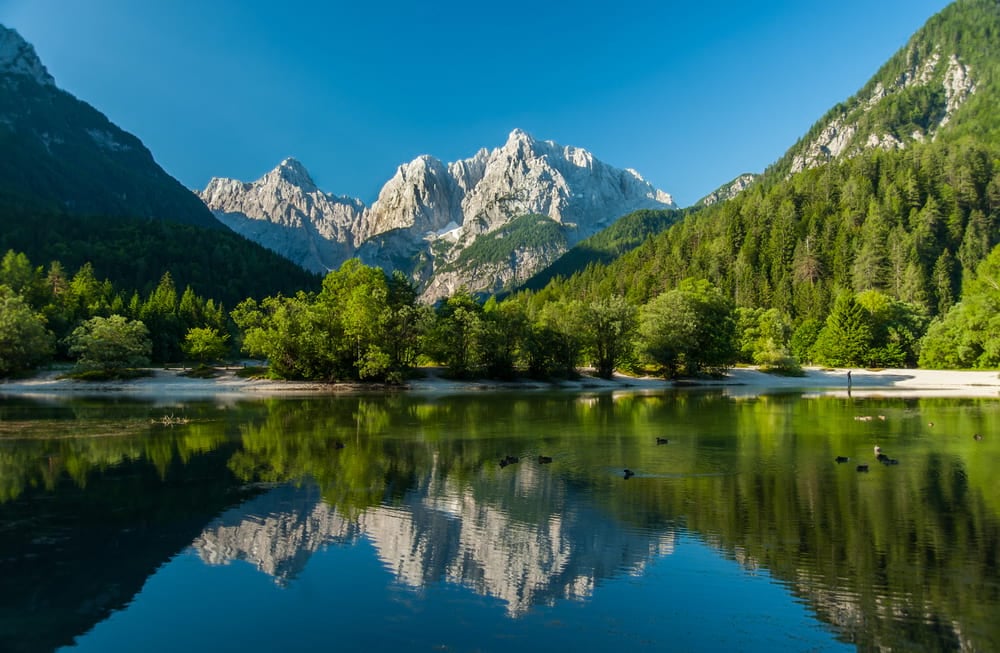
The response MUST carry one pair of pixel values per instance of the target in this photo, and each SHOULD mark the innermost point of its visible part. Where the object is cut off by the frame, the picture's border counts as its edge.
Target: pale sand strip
(170, 385)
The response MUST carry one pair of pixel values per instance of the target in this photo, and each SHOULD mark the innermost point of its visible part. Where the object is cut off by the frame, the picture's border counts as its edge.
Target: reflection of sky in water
(346, 597)
(742, 533)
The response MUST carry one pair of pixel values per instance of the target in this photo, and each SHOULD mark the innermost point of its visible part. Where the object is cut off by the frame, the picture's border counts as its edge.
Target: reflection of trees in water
(886, 558)
(39, 453)
(72, 555)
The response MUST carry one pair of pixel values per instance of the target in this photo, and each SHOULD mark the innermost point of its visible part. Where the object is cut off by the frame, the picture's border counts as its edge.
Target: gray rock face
(730, 190)
(430, 212)
(18, 57)
(842, 135)
(285, 212)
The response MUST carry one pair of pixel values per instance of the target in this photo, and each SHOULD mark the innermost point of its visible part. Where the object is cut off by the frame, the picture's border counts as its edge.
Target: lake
(386, 522)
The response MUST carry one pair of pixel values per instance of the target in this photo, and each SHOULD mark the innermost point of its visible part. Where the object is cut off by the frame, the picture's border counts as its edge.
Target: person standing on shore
(848, 378)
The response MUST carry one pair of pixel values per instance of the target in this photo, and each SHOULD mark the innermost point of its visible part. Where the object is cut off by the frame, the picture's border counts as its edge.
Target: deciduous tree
(24, 340)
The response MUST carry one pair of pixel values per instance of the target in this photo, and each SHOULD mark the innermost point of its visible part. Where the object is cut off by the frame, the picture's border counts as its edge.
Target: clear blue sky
(690, 94)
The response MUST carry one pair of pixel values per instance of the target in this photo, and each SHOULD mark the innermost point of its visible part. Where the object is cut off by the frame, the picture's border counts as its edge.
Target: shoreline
(168, 384)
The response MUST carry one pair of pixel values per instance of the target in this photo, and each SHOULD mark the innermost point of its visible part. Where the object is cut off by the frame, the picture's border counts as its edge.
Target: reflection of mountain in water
(277, 531)
(441, 532)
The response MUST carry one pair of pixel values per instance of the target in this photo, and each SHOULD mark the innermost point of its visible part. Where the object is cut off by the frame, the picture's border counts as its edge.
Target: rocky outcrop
(286, 212)
(18, 57)
(430, 212)
(847, 133)
(277, 532)
(730, 190)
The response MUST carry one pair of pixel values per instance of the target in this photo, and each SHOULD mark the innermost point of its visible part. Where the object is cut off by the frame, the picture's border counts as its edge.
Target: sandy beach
(170, 384)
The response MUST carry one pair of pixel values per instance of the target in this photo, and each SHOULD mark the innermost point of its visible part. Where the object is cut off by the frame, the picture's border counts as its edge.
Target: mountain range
(485, 223)
(502, 217)
(482, 223)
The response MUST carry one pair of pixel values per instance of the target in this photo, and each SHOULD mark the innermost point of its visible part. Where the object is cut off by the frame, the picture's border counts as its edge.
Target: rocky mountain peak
(293, 172)
(429, 212)
(518, 135)
(729, 190)
(18, 57)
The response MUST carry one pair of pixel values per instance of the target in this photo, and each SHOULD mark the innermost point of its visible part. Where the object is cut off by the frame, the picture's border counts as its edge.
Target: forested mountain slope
(909, 218)
(941, 86)
(134, 254)
(627, 233)
(75, 188)
(62, 155)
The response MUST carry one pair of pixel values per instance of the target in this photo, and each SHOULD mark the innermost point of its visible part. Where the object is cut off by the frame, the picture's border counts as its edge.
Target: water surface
(387, 522)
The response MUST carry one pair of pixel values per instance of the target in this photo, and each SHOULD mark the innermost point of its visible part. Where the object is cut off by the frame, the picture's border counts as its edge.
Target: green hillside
(919, 85)
(627, 233)
(134, 254)
(61, 154)
(911, 222)
(75, 188)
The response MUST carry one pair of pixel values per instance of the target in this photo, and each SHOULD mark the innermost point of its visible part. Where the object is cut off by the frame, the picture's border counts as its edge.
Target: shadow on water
(96, 497)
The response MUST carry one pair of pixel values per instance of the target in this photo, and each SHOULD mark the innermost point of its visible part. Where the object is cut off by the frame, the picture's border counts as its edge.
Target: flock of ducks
(880, 456)
(545, 460)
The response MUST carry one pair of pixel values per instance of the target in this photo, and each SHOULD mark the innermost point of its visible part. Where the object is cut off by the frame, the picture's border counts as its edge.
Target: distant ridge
(442, 223)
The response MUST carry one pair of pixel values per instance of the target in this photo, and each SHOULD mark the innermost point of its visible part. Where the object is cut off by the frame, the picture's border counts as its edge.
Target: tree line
(365, 325)
(888, 259)
(48, 314)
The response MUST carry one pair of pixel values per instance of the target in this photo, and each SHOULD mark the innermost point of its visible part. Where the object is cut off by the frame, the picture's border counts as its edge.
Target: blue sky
(689, 94)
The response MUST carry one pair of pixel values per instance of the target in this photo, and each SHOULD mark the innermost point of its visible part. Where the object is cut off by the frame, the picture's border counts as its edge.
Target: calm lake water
(387, 523)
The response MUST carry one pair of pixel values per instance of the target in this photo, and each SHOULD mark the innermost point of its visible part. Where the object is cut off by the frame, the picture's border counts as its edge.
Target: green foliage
(896, 330)
(360, 326)
(528, 232)
(847, 336)
(110, 345)
(454, 339)
(765, 340)
(689, 330)
(870, 329)
(624, 235)
(134, 254)
(353, 308)
(504, 328)
(880, 221)
(969, 334)
(884, 221)
(159, 314)
(610, 323)
(66, 302)
(205, 344)
(24, 341)
(804, 339)
(557, 339)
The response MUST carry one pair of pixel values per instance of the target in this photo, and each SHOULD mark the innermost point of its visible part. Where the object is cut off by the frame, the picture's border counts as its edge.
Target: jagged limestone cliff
(429, 215)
